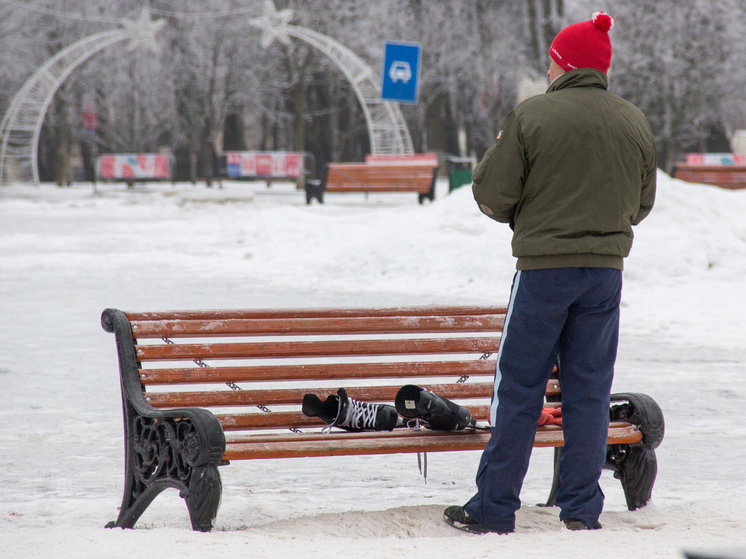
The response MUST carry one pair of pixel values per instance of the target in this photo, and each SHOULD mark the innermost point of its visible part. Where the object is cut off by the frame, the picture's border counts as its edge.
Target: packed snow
(68, 253)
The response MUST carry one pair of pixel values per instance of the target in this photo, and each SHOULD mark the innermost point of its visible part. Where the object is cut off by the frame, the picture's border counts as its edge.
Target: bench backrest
(242, 364)
(429, 158)
(364, 177)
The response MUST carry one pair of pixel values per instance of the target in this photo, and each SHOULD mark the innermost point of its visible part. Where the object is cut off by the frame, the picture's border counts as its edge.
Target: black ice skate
(327, 411)
(434, 411)
(347, 413)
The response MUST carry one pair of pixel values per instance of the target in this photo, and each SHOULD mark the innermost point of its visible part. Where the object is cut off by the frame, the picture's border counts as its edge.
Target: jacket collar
(582, 77)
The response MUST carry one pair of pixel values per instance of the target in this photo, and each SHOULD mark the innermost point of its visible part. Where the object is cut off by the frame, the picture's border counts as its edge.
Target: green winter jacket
(572, 171)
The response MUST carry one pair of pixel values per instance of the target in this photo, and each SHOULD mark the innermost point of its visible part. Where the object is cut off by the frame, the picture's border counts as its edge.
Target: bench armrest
(178, 448)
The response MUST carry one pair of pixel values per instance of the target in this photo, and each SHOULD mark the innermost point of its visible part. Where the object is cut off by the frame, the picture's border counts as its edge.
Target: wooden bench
(732, 177)
(367, 177)
(203, 388)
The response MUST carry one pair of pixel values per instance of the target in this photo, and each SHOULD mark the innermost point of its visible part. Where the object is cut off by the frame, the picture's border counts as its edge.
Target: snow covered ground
(66, 254)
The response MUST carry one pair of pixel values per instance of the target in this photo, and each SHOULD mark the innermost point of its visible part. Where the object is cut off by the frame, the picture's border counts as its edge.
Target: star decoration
(142, 32)
(273, 24)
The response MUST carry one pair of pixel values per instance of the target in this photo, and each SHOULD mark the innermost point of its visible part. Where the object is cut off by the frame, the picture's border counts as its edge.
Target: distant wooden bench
(368, 177)
(732, 177)
(203, 388)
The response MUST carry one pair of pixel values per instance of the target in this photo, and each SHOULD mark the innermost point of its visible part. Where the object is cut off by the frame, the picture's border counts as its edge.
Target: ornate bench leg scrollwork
(177, 448)
(636, 465)
(164, 453)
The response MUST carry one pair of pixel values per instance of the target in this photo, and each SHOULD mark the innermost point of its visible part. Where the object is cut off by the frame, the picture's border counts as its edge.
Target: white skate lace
(334, 423)
(360, 415)
(414, 424)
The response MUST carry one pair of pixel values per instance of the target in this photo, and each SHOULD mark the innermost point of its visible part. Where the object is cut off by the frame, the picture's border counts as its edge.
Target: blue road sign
(401, 72)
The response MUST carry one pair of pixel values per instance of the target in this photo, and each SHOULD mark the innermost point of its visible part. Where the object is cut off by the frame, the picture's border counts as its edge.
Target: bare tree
(213, 84)
(670, 59)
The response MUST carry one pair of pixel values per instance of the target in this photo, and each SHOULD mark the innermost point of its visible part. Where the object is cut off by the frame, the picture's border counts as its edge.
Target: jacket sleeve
(647, 193)
(499, 177)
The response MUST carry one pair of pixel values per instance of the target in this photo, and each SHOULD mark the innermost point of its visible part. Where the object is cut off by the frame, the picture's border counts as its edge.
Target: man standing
(572, 171)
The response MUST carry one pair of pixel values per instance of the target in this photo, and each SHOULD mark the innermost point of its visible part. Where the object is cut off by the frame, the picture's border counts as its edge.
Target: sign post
(401, 72)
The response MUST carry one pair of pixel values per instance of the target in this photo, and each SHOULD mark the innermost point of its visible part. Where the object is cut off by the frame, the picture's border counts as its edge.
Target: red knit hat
(585, 44)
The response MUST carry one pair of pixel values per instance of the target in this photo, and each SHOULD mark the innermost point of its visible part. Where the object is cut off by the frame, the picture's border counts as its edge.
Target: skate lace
(360, 415)
(334, 423)
(414, 424)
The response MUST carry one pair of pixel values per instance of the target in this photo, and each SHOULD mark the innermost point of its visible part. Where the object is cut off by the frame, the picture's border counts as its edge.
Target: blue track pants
(572, 313)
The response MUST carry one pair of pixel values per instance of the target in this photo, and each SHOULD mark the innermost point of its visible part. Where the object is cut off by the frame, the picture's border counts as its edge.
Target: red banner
(145, 166)
(716, 159)
(263, 164)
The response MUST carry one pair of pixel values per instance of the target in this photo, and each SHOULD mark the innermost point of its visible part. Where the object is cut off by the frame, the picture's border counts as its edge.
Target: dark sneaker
(457, 517)
(575, 524)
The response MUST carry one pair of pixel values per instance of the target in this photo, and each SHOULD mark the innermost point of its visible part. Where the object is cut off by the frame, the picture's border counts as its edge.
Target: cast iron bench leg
(636, 467)
(552, 499)
(203, 500)
(164, 453)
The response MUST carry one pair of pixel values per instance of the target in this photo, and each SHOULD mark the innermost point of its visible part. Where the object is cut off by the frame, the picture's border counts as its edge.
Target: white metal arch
(22, 122)
(387, 128)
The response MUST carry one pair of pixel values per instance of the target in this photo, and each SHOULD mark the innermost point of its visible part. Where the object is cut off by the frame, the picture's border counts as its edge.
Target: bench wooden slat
(207, 375)
(420, 187)
(304, 326)
(425, 442)
(389, 445)
(366, 176)
(392, 169)
(333, 435)
(318, 348)
(246, 314)
(270, 396)
(616, 429)
(292, 420)
(267, 420)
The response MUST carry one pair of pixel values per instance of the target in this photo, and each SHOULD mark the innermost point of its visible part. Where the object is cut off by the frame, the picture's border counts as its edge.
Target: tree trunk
(193, 148)
(669, 146)
(63, 135)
